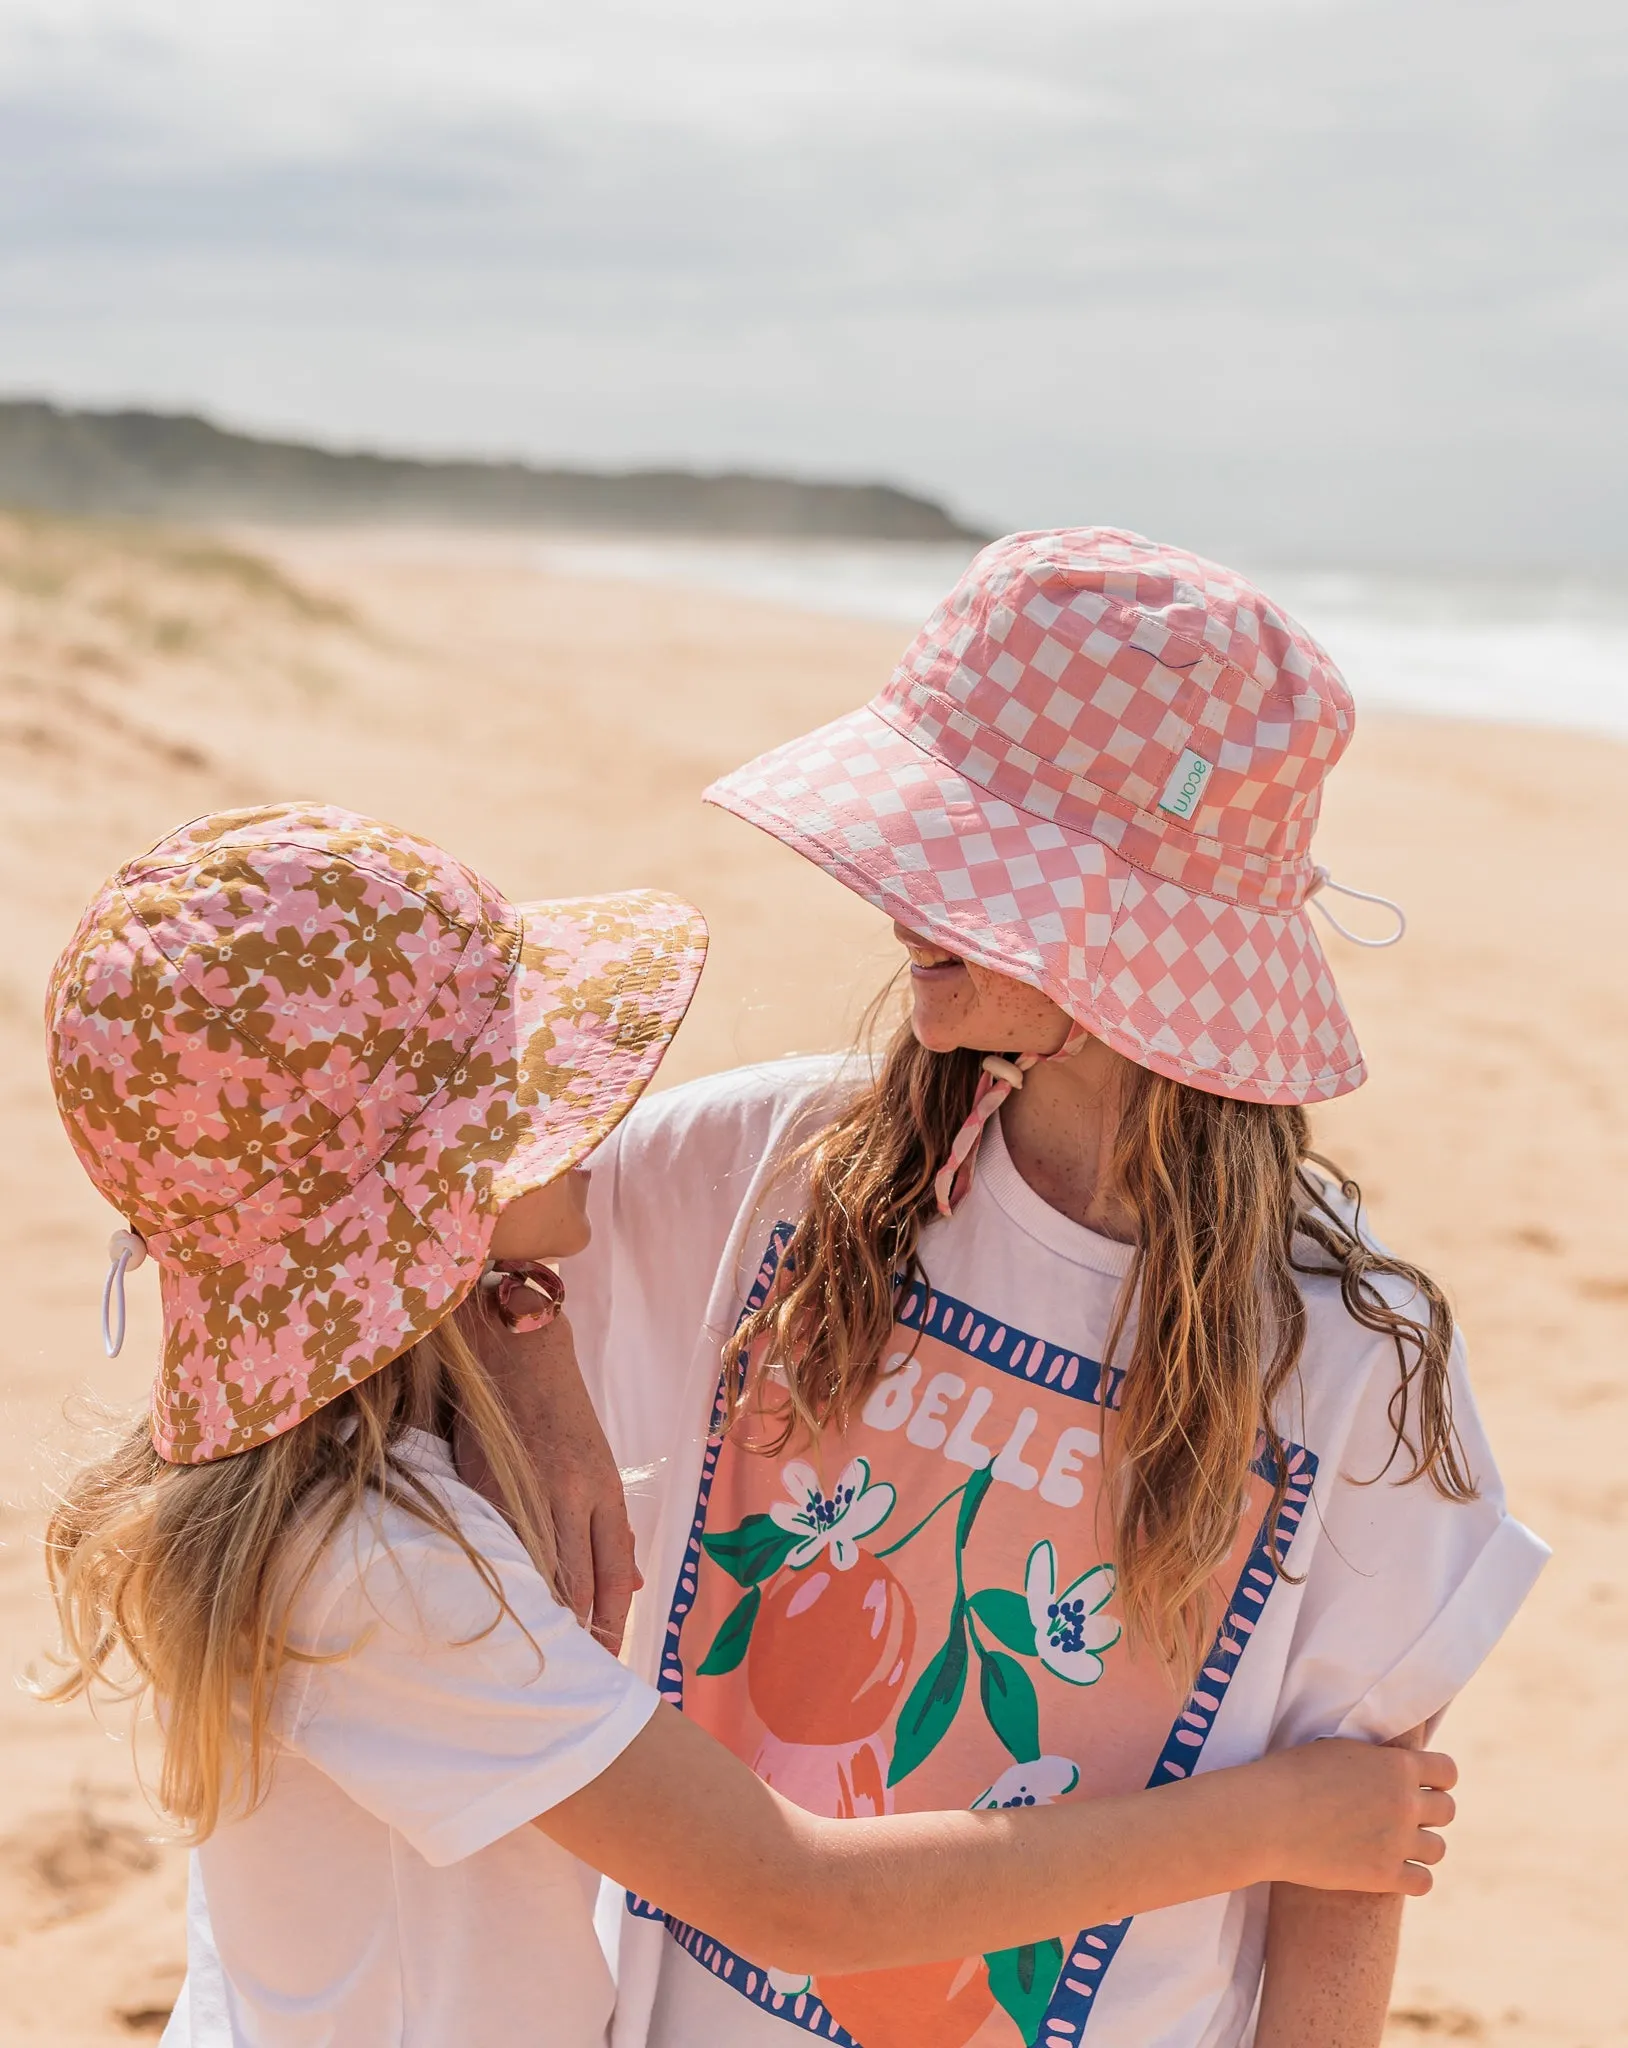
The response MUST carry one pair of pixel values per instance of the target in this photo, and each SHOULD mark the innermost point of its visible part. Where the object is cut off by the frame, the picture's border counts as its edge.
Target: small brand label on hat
(1186, 785)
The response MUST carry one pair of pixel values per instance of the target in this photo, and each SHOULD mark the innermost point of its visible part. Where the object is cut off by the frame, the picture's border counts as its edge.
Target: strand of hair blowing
(1232, 1206)
(178, 1581)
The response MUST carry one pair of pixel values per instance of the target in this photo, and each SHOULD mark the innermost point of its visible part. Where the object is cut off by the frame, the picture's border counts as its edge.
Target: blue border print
(1095, 1947)
(1026, 1357)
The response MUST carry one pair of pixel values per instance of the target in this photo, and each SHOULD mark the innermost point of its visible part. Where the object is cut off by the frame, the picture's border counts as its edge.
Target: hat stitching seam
(134, 870)
(386, 1159)
(1111, 1032)
(866, 883)
(248, 1039)
(1192, 1066)
(310, 1406)
(1205, 843)
(1095, 1023)
(594, 1130)
(1127, 608)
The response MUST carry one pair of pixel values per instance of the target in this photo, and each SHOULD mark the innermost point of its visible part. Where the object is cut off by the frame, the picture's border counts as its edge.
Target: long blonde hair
(1232, 1207)
(177, 1582)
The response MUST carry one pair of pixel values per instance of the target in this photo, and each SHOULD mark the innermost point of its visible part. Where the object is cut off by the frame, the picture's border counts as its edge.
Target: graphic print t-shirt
(920, 1612)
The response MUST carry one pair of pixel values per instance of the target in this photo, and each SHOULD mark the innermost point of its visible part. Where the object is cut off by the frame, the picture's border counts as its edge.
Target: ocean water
(1555, 653)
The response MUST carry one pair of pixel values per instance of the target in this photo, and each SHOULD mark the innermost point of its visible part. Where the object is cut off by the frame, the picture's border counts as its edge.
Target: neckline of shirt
(1011, 1193)
(428, 1452)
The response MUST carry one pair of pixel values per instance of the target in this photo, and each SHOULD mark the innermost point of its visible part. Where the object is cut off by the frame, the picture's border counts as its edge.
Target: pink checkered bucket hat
(308, 1057)
(1097, 769)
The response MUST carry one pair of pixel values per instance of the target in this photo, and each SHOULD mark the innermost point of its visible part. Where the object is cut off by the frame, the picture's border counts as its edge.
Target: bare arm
(538, 1377)
(1330, 1961)
(1330, 1958)
(681, 1820)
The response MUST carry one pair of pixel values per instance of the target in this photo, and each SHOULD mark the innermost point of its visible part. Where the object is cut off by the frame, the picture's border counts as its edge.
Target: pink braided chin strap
(999, 1077)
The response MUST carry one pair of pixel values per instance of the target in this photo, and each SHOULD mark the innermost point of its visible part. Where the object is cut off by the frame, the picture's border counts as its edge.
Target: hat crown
(1080, 675)
(251, 1013)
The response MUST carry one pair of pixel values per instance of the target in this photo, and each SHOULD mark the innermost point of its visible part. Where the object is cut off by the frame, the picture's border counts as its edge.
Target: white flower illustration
(1070, 1629)
(1036, 1784)
(788, 1983)
(834, 1520)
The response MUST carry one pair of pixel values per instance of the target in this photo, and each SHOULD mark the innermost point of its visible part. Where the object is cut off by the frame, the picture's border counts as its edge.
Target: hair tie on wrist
(523, 1294)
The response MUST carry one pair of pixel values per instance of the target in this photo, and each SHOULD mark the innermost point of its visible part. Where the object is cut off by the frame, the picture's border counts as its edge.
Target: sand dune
(556, 733)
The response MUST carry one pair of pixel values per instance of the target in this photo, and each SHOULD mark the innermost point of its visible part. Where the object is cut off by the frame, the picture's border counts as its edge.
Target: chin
(937, 1034)
(574, 1240)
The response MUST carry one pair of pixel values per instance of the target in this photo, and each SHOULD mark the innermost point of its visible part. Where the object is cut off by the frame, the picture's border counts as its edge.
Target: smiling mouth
(927, 961)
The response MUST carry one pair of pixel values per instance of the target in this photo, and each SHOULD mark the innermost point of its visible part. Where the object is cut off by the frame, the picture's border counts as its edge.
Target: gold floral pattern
(309, 1056)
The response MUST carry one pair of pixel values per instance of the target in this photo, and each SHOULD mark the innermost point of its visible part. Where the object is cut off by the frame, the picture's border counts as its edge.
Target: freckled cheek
(1009, 1014)
(998, 1003)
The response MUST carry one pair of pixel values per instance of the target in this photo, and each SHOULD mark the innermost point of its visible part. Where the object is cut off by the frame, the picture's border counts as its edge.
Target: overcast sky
(1327, 280)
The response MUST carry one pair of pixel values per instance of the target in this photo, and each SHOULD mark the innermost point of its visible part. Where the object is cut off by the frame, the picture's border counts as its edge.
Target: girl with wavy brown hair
(1033, 1414)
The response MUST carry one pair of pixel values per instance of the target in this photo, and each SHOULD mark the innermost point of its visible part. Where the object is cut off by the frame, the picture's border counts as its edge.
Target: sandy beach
(556, 732)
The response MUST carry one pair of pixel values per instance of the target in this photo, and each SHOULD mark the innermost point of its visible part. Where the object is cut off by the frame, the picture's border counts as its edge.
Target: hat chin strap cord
(1322, 880)
(126, 1249)
(1003, 1072)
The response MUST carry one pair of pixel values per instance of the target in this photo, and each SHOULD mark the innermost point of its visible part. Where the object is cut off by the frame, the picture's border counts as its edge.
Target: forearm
(915, 1888)
(1330, 1959)
(791, 1889)
(535, 1374)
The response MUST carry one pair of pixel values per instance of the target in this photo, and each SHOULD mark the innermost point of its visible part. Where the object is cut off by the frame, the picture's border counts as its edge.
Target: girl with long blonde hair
(338, 1089)
(1037, 1410)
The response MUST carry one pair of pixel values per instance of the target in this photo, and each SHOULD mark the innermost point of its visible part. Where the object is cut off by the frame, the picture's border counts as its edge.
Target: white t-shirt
(867, 1653)
(389, 1892)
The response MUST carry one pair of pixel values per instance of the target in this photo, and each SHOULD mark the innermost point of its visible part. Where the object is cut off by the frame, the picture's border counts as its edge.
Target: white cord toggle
(1321, 879)
(1005, 1070)
(127, 1249)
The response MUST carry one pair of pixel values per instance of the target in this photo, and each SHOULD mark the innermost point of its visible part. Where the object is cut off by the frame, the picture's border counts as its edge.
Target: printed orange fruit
(831, 1651)
(934, 2005)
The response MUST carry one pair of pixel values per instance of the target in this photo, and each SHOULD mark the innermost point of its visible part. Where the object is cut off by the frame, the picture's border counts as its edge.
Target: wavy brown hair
(1232, 1206)
(177, 1582)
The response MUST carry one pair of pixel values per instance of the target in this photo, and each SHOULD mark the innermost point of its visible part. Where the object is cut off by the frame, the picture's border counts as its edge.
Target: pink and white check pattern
(1001, 795)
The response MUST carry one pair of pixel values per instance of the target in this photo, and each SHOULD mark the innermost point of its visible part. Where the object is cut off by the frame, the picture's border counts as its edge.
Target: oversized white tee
(389, 1893)
(920, 1613)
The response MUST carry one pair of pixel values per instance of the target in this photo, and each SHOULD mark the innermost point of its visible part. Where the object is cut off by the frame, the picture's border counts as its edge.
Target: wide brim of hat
(1231, 1000)
(600, 986)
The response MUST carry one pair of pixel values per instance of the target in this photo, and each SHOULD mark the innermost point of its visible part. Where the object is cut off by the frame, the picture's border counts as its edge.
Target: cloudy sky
(1321, 280)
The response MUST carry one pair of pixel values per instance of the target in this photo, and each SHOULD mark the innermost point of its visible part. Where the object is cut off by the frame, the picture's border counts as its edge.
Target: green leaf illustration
(934, 1700)
(1010, 1706)
(754, 1551)
(971, 1501)
(1006, 1616)
(729, 1644)
(1023, 1980)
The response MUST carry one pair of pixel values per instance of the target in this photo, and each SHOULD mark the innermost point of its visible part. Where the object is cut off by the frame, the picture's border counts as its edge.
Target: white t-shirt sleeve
(1407, 1591)
(670, 1186)
(446, 1718)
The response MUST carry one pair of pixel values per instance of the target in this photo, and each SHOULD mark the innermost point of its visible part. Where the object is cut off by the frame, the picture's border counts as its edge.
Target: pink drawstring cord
(1000, 1075)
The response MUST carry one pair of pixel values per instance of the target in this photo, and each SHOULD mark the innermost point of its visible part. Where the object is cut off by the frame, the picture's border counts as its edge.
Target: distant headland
(141, 465)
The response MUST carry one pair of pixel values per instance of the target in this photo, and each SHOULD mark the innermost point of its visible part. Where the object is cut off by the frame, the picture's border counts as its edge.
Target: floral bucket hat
(309, 1057)
(1097, 769)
